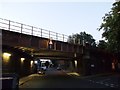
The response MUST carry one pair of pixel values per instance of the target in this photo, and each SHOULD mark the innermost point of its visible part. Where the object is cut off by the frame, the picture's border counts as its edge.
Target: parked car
(43, 67)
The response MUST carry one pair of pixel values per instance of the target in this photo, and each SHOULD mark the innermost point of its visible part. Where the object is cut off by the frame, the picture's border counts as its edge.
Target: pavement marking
(116, 85)
(111, 86)
(90, 80)
(106, 84)
(101, 82)
(97, 82)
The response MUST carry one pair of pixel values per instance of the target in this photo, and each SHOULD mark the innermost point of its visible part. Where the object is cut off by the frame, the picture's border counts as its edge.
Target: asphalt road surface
(59, 79)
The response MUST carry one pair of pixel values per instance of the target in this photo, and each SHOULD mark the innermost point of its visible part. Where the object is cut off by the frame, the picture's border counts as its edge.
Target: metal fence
(31, 30)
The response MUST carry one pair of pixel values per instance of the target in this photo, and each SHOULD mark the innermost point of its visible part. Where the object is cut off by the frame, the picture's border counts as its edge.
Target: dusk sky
(65, 17)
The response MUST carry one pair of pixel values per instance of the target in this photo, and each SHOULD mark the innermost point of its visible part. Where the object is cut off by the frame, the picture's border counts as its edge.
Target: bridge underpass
(42, 54)
(38, 46)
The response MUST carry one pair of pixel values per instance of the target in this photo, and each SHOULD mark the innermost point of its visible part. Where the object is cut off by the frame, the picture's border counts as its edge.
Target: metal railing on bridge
(31, 30)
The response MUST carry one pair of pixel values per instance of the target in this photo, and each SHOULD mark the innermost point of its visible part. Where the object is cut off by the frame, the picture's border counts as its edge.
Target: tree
(102, 44)
(82, 38)
(111, 28)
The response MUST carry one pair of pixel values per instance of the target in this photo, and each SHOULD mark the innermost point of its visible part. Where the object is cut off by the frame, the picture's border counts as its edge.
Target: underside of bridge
(24, 67)
(48, 54)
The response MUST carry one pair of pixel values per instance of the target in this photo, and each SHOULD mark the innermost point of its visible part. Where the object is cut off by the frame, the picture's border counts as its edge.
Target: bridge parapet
(31, 30)
(23, 41)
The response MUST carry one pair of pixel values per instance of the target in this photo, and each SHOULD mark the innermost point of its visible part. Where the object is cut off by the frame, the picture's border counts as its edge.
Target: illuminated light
(75, 63)
(50, 42)
(22, 59)
(75, 55)
(6, 57)
(92, 65)
(35, 62)
(6, 54)
(113, 66)
(31, 63)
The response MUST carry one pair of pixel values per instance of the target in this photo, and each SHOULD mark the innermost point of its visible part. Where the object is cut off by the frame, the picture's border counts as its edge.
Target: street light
(6, 57)
(22, 59)
(31, 63)
(50, 43)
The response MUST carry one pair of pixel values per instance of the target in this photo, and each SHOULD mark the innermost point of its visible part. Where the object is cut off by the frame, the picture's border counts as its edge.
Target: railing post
(32, 31)
(61, 46)
(56, 36)
(9, 25)
(63, 37)
(49, 34)
(31, 37)
(21, 27)
(41, 32)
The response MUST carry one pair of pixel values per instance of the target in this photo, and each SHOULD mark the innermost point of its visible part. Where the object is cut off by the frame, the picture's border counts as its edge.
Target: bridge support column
(80, 66)
(55, 46)
(77, 66)
(61, 47)
(72, 66)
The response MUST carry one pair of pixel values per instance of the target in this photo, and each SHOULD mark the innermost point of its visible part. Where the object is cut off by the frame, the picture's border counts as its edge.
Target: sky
(65, 17)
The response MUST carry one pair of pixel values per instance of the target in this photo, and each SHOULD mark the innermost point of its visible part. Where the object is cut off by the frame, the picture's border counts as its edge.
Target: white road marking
(112, 84)
(97, 82)
(101, 82)
(116, 85)
(106, 84)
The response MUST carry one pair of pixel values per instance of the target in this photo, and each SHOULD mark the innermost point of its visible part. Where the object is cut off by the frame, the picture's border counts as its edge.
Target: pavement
(29, 77)
(71, 73)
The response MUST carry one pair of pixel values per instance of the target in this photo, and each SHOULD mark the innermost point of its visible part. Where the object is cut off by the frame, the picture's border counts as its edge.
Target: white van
(43, 66)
